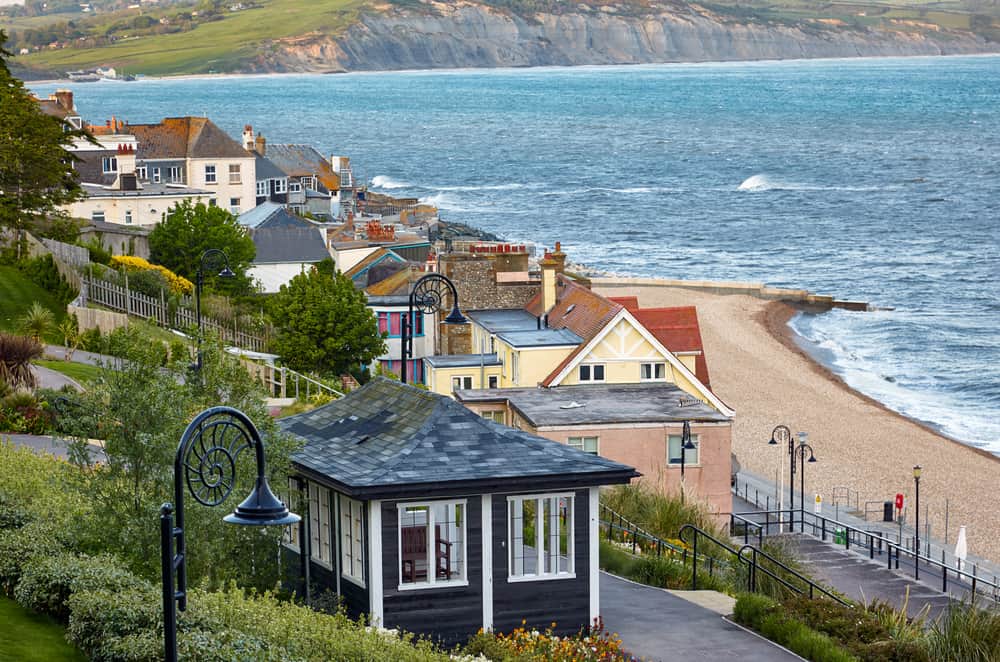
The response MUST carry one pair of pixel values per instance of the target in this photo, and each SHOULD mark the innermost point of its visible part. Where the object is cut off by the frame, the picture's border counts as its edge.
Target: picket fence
(121, 299)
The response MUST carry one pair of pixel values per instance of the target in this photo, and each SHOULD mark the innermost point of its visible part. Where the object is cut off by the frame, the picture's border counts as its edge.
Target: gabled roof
(284, 245)
(184, 137)
(265, 168)
(253, 218)
(577, 308)
(389, 439)
(304, 161)
(631, 304)
(397, 283)
(598, 404)
(373, 258)
(677, 329)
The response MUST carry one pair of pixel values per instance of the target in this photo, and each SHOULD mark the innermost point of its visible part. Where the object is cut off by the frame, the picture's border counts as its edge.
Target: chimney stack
(549, 267)
(260, 145)
(560, 258)
(248, 138)
(126, 160)
(65, 99)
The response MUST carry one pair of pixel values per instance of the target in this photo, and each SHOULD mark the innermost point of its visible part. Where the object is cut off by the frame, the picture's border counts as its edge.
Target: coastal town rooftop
(462, 360)
(596, 404)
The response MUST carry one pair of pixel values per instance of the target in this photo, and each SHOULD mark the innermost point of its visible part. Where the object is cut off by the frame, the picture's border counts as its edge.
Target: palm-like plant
(37, 321)
(16, 355)
(69, 329)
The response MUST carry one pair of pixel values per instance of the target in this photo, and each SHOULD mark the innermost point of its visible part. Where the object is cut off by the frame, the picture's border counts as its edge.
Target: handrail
(893, 548)
(694, 551)
(747, 523)
(755, 565)
(627, 526)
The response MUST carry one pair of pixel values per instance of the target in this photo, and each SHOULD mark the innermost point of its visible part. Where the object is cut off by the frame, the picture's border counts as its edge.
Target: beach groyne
(803, 298)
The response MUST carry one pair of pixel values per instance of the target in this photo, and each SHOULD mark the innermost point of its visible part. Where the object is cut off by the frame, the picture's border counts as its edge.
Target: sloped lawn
(27, 637)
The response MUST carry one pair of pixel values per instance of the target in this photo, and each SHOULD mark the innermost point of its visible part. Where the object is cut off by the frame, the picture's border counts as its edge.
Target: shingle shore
(859, 443)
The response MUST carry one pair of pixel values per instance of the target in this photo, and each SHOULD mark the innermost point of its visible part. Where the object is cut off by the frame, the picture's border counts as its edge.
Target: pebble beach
(757, 368)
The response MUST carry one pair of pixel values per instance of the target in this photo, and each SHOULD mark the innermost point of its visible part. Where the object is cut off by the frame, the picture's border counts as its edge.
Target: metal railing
(877, 543)
(843, 495)
(755, 566)
(630, 532)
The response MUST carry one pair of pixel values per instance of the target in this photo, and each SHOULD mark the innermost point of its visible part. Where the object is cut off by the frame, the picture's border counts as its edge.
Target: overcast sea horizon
(871, 179)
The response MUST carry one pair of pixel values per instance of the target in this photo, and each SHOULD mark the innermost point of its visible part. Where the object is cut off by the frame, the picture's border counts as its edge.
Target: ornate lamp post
(427, 296)
(916, 523)
(686, 445)
(206, 462)
(801, 451)
(781, 434)
(199, 282)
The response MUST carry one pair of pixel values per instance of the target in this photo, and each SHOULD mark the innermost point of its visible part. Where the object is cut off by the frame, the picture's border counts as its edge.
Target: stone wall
(475, 279)
(92, 318)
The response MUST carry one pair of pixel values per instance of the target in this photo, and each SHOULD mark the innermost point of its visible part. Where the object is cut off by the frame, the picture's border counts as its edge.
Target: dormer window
(109, 164)
(280, 185)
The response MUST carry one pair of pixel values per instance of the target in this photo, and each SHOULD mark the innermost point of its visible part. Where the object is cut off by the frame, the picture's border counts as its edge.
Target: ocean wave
(494, 187)
(761, 183)
(386, 182)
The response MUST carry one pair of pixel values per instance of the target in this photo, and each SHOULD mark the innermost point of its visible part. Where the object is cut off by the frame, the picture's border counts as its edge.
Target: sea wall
(456, 35)
(759, 290)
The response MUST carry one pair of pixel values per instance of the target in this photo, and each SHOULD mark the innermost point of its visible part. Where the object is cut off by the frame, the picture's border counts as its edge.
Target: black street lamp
(916, 530)
(801, 451)
(427, 296)
(199, 282)
(783, 434)
(206, 462)
(686, 445)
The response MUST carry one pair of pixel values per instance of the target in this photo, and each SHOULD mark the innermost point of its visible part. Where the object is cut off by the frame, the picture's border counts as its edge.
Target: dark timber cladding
(540, 603)
(451, 613)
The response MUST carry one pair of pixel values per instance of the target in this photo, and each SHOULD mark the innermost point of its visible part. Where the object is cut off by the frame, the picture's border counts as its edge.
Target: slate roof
(540, 338)
(462, 360)
(497, 321)
(272, 215)
(184, 137)
(149, 189)
(265, 168)
(279, 245)
(304, 161)
(388, 439)
(603, 404)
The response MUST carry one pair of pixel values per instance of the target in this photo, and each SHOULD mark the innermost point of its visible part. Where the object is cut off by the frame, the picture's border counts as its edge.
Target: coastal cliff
(462, 34)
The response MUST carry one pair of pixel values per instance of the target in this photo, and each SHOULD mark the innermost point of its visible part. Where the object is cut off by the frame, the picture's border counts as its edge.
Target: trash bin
(887, 507)
(840, 536)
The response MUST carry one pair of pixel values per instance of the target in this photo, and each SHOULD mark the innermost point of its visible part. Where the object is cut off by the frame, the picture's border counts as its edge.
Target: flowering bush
(177, 284)
(593, 644)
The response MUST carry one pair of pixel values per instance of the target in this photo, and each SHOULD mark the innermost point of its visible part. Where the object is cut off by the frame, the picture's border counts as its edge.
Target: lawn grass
(215, 46)
(81, 372)
(17, 293)
(28, 637)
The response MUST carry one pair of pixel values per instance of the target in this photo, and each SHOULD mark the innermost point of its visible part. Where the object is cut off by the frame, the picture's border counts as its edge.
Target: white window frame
(97, 215)
(590, 369)
(294, 187)
(290, 537)
(513, 577)
(432, 580)
(262, 188)
(234, 206)
(464, 382)
(210, 175)
(128, 217)
(653, 368)
(141, 172)
(281, 185)
(580, 443)
(175, 175)
(320, 535)
(688, 462)
(235, 176)
(156, 175)
(109, 164)
(515, 367)
(493, 381)
(352, 539)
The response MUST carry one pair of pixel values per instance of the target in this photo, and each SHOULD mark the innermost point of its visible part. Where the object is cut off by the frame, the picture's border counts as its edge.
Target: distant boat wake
(759, 183)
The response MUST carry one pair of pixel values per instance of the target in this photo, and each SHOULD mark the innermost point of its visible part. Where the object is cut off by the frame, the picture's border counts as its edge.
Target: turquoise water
(875, 179)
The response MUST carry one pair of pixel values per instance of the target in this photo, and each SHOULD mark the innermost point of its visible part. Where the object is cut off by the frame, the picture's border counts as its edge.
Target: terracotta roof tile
(677, 329)
(631, 304)
(184, 137)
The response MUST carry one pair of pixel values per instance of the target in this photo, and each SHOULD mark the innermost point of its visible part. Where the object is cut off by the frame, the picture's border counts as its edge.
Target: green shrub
(751, 609)
(98, 253)
(660, 514)
(802, 640)
(91, 340)
(148, 282)
(21, 545)
(43, 272)
(120, 626)
(967, 633)
(47, 581)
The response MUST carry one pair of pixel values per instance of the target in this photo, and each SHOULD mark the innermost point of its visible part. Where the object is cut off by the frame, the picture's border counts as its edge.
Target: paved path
(48, 378)
(656, 625)
(45, 444)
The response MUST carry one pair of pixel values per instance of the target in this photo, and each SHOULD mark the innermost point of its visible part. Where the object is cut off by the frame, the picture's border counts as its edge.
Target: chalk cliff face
(459, 34)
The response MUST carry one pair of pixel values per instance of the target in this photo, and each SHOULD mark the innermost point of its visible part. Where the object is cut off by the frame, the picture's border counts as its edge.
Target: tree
(36, 169)
(324, 324)
(191, 229)
(37, 322)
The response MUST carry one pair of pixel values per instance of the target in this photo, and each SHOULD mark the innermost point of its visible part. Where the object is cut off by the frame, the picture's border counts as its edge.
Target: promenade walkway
(657, 625)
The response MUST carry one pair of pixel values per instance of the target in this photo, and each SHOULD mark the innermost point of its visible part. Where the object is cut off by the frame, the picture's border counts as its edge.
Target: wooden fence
(158, 310)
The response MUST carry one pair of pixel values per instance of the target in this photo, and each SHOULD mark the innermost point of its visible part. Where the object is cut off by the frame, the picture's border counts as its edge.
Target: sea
(875, 180)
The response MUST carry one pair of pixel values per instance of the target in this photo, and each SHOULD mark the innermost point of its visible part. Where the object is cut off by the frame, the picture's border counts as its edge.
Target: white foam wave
(496, 187)
(760, 183)
(386, 182)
